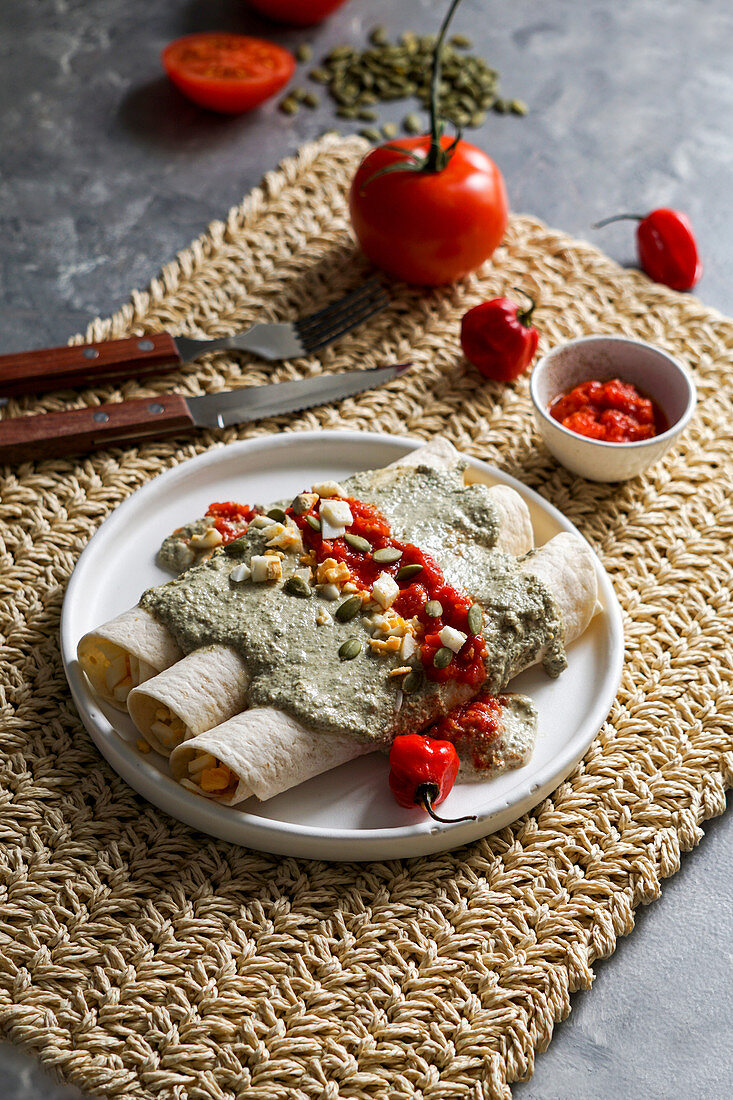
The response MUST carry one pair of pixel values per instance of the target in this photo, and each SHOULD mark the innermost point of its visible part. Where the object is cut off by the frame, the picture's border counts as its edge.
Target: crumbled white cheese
(304, 502)
(330, 531)
(329, 489)
(385, 590)
(240, 573)
(337, 513)
(329, 591)
(453, 639)
(262, 521)
(408, 647)
(265, 567)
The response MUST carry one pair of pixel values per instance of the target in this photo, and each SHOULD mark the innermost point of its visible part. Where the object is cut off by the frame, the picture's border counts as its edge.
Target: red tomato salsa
(474, 727)
(230, 519)
(613, 411)
(426, 583)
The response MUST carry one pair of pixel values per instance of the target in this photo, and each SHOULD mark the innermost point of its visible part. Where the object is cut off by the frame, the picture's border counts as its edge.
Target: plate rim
(292, 838)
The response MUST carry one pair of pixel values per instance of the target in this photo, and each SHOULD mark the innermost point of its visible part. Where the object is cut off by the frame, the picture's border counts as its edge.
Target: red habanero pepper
(422, 772)
(499, 339)
(667, 247)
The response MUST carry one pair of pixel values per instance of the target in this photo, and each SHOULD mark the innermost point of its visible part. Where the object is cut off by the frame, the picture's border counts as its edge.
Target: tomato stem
(438, 157)
(524, 316)
(425, 796)
(619, 218)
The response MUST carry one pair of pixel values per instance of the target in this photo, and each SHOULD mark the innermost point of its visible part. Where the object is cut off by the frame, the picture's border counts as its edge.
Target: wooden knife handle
(59, 433)
(86, 364)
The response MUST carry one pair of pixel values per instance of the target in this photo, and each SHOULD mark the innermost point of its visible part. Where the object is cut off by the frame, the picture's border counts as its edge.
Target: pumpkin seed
(311, 99)
(314, 522)
(356, 542)
(475, 619)
(518, 107)
(407, 572)
(304, 52)
(277, 514)
(350, 649)
(298, 586)
(237, 548)
(387, 555)
(358, 79)
(443, 657)
(412, 681)
(389, 130)
(288, 106)
(367, 115)
(370, 134)
(434, 609)
(412, 124)
(349, 609)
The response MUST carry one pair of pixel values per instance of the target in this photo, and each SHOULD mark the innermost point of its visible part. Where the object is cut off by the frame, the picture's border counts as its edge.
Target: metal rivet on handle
(145, 345)
(155, 408)
(90, 353)
(100, 417)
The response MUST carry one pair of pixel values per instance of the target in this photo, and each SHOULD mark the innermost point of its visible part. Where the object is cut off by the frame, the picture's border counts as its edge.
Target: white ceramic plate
(348, 813)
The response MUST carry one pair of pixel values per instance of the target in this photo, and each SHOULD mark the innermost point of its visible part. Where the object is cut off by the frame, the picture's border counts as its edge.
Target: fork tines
(327, 324)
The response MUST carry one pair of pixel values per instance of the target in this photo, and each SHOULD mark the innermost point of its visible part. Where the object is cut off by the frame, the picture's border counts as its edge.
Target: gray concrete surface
(105, 172)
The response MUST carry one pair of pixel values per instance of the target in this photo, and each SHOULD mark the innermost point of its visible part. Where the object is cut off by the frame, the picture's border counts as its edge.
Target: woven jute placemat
(139, 958)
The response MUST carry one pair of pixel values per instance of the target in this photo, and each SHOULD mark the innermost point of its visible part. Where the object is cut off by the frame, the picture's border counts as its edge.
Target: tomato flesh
(428, 228)
(613, 411)
(474, 728)
(230, 519)
(230, 73)
(466, 666)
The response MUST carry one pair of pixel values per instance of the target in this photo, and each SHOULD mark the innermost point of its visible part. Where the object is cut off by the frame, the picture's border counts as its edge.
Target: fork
(135, 356)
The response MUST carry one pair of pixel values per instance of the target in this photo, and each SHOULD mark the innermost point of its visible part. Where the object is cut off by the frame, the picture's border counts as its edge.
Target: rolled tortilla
(567, 567)
(125, 652)
(196, 693)
(210, 685)
(269, 752)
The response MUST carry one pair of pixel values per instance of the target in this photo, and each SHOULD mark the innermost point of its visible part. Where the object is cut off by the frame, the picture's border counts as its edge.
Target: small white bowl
(651, 370)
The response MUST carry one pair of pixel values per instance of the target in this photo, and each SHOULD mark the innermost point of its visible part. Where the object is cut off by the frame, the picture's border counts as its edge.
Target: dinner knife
(77, 430)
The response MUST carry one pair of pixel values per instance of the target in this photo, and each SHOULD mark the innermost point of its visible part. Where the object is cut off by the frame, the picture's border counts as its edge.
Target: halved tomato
(302, 13)
(227, 72)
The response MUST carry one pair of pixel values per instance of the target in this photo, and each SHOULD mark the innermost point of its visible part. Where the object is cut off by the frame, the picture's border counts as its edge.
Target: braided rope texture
(141, 959)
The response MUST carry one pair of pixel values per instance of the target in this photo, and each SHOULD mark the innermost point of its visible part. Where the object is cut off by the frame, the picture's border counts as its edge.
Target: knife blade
(78, 430)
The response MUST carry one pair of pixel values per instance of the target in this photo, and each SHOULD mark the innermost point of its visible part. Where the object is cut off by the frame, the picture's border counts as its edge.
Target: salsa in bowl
(608, 407)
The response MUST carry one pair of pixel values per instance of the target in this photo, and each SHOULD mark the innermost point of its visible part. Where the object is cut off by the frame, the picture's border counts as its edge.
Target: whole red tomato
(499, 339)
(225, 72)
(301, 13)
(428, 227)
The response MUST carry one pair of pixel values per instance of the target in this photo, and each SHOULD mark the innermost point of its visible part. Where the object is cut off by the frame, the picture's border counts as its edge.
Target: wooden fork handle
(49, 434)
(86, 364)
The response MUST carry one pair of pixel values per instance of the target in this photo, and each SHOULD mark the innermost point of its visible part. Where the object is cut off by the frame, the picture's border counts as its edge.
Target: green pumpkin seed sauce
(294, 662)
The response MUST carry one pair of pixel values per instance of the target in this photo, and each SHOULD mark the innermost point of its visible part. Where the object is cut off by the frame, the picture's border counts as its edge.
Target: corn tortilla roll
(125, 652)
(195, 694)
(265, 751)
(209, 686)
